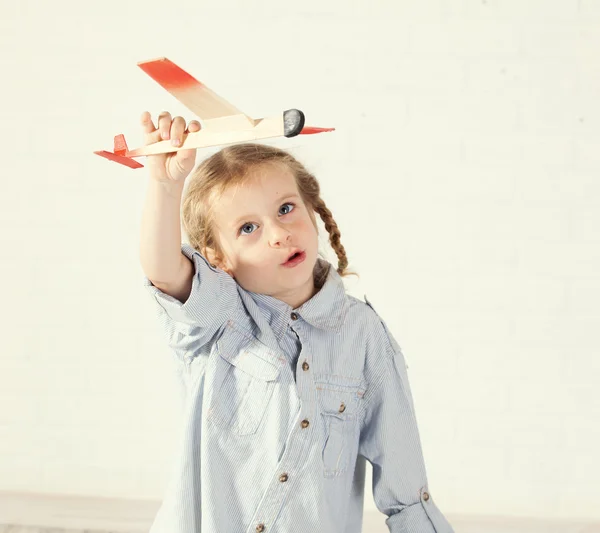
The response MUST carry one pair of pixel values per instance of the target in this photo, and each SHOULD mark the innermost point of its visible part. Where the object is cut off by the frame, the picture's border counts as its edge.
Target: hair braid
(334, 233)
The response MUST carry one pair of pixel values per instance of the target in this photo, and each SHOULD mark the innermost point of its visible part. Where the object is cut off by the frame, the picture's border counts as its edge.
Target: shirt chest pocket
(339, 405)
(245, 375)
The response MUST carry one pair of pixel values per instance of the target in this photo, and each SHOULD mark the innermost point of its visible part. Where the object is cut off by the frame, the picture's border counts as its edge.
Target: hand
(174, 166)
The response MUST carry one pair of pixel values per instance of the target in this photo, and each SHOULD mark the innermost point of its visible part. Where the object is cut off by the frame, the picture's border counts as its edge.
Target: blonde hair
(231, 166)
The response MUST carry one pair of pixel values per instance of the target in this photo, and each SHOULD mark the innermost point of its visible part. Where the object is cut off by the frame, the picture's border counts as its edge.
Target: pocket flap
(340, 401)
(248, 354)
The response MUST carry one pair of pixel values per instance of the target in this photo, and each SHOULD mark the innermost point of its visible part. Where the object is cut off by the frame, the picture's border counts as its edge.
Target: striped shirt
(282, 409)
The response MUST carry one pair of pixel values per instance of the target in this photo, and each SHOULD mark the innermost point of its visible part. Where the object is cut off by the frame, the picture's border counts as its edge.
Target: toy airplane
(221, 122)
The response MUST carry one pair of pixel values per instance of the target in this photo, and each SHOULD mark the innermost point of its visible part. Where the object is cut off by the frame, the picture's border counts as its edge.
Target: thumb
(177, 168)
(186, 158)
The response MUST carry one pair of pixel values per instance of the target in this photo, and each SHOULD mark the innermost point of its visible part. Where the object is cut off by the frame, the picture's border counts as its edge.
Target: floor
(34, 529)
(460, 526)
(42, 513)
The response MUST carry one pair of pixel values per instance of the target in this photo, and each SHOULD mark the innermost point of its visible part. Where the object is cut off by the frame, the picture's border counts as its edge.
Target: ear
(216, 261)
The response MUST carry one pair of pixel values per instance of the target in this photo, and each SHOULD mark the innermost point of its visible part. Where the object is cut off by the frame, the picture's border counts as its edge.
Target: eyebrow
(238, 220)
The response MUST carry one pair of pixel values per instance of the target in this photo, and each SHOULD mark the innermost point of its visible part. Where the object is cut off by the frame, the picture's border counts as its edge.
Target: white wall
(464, 175)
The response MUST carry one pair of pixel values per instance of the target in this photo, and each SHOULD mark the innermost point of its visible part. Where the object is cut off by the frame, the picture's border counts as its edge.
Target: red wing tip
(155, 60)
(308, 130)
(127, 161)
(169, 75)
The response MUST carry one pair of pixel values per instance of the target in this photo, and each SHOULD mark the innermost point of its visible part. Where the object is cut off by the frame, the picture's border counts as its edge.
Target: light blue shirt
(282, 409)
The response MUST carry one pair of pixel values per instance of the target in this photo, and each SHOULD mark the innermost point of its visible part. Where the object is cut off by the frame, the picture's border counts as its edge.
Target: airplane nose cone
(293, 122)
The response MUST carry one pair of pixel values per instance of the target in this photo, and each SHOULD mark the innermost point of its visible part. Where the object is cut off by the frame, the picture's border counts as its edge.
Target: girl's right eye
(249, 224)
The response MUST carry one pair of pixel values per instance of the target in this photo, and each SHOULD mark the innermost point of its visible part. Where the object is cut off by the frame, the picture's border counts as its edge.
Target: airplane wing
(196, 96)
(223, 123)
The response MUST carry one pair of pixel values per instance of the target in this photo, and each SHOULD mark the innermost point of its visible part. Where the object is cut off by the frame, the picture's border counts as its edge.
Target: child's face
(258, 230)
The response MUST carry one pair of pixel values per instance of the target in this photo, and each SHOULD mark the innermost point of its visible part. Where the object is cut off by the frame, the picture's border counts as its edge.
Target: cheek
(307, 226)
(252, 256)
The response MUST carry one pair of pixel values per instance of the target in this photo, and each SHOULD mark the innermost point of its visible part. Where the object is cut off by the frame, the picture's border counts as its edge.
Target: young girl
(290, 383)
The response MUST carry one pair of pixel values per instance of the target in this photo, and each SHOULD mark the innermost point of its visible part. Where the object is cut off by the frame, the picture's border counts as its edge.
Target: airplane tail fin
(120, 145)
(118, 156)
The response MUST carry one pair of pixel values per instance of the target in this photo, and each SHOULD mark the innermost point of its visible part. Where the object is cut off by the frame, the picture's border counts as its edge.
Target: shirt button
(305, 366)
(260, 528)
(294, 316)
(305, 423)
(426, 496)
(342, 408)
(283, 478)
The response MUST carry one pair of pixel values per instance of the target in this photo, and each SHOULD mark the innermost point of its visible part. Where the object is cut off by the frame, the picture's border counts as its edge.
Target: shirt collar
(325, 310)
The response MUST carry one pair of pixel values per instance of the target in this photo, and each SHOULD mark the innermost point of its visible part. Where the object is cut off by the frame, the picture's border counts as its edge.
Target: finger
(146, 122)
(164, 124)
(177, 128)
(151, 134)
(194, 125)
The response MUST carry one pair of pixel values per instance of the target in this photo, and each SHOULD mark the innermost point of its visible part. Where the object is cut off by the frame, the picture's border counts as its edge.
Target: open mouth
(295, 259)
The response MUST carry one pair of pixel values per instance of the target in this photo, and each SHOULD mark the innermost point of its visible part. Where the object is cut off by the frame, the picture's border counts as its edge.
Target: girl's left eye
(290, 204)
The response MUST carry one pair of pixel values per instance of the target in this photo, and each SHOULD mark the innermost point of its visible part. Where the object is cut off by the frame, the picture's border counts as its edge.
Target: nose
(279, 235)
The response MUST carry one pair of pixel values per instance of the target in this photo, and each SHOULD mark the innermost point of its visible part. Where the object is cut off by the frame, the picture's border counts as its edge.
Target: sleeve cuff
(203, 305)
(421, 517)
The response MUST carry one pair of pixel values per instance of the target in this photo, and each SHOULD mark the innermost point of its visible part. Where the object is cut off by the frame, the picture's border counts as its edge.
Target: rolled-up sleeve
(190, 325)
(390, 442)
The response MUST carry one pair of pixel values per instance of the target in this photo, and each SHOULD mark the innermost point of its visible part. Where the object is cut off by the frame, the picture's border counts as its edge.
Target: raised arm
(193, 298)
(160, 242)
(161, 258)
